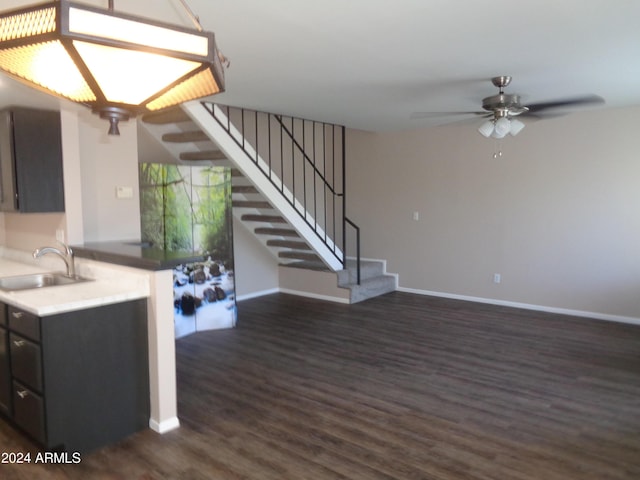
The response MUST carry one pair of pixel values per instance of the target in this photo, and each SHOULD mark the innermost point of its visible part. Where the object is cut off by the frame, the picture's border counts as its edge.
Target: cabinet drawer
(26, 363)
(25, 323)
(28, 411)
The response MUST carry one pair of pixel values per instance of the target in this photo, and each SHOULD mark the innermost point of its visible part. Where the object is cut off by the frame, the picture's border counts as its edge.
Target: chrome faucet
(67, 256)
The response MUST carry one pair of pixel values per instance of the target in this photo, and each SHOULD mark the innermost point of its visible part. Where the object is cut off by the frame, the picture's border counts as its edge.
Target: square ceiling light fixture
(118, 65)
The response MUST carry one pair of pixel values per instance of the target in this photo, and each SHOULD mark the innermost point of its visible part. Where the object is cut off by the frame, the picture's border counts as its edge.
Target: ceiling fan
(501, 110)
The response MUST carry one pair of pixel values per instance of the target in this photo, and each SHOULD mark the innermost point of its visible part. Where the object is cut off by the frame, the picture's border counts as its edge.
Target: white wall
(108, 162)
(28, 231)
(557, 215)
(256, 269)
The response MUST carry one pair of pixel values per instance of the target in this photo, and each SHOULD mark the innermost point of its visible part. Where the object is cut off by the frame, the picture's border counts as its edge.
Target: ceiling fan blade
(536, 108)
(417, 115)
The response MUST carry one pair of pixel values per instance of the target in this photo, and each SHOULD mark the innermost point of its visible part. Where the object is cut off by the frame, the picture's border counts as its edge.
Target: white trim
(328, 298)
(527, 306)
(299, 293)
(256, 294)
(164, 426)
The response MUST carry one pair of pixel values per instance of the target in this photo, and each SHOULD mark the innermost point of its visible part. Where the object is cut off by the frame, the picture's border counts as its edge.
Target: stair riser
(372, 288)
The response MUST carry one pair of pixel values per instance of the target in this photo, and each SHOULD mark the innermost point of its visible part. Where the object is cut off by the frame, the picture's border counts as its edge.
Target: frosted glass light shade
(502, 127)
(115, 64)
(486, 129)
(516, 126)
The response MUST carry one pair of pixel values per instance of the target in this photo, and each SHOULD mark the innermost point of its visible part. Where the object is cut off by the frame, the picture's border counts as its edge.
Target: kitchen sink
(38, 280)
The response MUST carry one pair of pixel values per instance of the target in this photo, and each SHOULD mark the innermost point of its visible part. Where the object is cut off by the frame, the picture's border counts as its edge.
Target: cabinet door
(37, 146)
(8, 200)
(5, 372)
(28, 411)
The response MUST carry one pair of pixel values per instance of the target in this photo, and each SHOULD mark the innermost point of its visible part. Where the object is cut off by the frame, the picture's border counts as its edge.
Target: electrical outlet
(416, 216)
(497, 278)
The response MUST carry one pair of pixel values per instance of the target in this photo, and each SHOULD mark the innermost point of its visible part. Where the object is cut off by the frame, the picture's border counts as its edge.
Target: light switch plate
(124, 192)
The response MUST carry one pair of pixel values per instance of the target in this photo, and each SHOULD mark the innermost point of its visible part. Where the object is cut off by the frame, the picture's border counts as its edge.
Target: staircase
(279, 192)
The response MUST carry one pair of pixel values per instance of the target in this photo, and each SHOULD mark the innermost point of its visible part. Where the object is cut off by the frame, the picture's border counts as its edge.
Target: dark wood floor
(398, 387)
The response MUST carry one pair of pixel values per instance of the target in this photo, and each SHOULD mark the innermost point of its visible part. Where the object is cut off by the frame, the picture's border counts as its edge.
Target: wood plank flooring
(397, 387)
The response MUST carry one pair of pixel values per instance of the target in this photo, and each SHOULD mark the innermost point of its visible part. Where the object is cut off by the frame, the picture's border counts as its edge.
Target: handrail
(306, 157)
(357, 229)
(314, 196)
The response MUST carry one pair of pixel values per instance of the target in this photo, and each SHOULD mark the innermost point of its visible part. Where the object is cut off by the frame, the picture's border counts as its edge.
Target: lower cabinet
(5, 370)
(79, 380)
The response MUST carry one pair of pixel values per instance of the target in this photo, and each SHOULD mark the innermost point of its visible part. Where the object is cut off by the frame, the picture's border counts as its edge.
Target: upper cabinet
(31, 161)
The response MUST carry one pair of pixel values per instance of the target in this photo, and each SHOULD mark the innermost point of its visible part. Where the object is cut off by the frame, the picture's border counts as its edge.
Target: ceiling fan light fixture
(107, 60)
(516, 126)
(486, 129)
(502, 127)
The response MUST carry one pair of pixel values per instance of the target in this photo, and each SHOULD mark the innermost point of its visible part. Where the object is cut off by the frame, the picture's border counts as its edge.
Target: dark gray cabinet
(78, 380)
(5, 372)
(31, 175)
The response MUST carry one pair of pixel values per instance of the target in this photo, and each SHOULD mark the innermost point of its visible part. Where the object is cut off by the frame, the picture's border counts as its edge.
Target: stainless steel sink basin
(38, 280)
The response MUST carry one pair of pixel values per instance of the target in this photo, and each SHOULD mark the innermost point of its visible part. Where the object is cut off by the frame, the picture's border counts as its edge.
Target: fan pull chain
(497, 151)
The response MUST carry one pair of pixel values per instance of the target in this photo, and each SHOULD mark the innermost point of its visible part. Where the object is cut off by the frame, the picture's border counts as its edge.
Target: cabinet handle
(23, 393)
(19, 343)
(17, 314)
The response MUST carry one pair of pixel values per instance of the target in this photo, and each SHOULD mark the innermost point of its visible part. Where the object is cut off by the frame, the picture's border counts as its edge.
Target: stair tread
(185, 137)
(298, 255)
(164, 117)
(203, 155)
(280, 232)
(259, 204)
(309, 265)
(251, 217)
(244, 189)
(273, 242)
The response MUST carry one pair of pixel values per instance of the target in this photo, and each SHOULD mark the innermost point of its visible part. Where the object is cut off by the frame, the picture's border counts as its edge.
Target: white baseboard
(164, 426)
(328, 298)
(527, 306)
(299, 293)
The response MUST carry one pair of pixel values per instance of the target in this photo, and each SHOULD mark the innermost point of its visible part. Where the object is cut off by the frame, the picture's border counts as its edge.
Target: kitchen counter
(113, 284)
(134, 254)
(107, 286)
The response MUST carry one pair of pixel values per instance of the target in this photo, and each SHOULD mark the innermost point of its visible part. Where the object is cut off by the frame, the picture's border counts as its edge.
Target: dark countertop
(134, 254)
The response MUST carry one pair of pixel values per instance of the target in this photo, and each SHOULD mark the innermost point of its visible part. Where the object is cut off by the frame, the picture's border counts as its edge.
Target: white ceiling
(369, 64)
